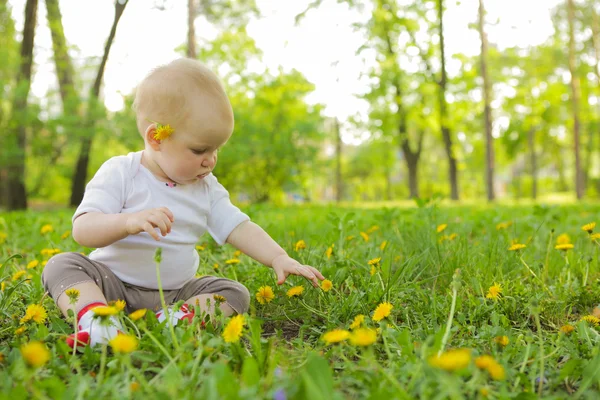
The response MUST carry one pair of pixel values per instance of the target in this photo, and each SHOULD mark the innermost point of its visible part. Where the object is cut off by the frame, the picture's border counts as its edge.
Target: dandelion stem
(102, 363)
(523, 364)
(452, 309)
(158, 258)
(539, 329)
(533, 273)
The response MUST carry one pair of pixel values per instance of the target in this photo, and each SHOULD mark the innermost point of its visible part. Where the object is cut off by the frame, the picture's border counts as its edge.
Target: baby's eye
(198, 152)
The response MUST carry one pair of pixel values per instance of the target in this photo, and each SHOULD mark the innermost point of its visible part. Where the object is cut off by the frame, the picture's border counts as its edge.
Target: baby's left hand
(284, 265)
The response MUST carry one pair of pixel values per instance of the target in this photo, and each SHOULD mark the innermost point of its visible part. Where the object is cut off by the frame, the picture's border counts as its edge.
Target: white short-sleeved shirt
(123, 185)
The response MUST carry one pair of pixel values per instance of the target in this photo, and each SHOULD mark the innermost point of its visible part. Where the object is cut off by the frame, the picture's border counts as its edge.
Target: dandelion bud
(158, 255)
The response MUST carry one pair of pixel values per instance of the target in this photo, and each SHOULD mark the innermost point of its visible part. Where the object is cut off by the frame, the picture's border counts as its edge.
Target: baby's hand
(284, 265)
(147, 220)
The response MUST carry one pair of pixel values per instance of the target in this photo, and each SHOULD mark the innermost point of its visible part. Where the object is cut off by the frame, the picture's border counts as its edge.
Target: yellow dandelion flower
(563, 239)
(485, 392)
(494, 292)
(295, 291)
(138, 314)
(363, 337)
(35, 313)
(265, 294)
(593, 236)
(232, 261)
(233, 331)
(364, 236)
(589, 228)
(441, 228)
(73, 294)
(326, 285)
(496, 371)
(383, 245)
(216, 266)
(33, 264)
(373, 270)
(382, 311)
(2, 286)
(200, 247)
(237, 253)
(163, 131)
(373, 229)
(20, 330)
(336, 336)
(592, 320)
(49, 252)
(375, 261)
(105, 311)
(300, 245)
(349, 238)
(3, 237)
(134, 386)
(329, 251)
(451, 360)
(358, 321)
(65, 235)
(35, 354)
(123, 343)
(501, 340)
(120, 305)
(566, 329)
(564, 247)
(503, 225)
(220, 299)
(516, 246)
(46, 229)
(18, 275)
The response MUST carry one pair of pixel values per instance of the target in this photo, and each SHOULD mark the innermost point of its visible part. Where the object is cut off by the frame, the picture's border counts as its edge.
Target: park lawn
(469, 318)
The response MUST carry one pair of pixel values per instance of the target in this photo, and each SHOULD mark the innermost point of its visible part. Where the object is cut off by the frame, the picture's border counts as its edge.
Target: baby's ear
(149, 137)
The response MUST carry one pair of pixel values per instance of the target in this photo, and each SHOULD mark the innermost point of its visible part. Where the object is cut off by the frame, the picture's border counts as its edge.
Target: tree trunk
(17, 196)
(574, 98)
(339, 184)
(452, 170)
(191, 36)
(533, 162)
(487, 108)
(412, 163)
(80, 175)
(596, 42)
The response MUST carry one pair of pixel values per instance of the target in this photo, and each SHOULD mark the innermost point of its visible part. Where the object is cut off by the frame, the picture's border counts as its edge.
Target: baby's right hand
(147, 220)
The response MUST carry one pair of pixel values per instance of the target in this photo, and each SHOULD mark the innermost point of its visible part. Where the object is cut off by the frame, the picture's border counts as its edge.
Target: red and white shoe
(93, 331)
(183, 314)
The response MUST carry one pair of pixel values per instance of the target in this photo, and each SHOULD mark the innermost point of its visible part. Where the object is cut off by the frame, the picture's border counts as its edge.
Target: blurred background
(347, 101)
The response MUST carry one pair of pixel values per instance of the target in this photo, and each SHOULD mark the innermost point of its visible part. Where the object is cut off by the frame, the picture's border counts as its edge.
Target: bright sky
(322, 47)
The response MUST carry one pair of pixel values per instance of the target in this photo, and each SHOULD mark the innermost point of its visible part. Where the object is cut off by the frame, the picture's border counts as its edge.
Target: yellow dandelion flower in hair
(300, 245)
(382, 311)
(234, 329)
(35, 354)
(138, 314)
(516, 246)
(335, 336)
(326, 285)
(123, 343)
(589, 228)
(441, 228)
(501, 340)
(358, 321)
(451, 360)
(564, 247)
(163, 131)
(295, 291)
(46, 229)
(563, 239)
(494, 292)
(265, 294)
(590, 319)
(566, 329)
(363, 337)
(35, 313)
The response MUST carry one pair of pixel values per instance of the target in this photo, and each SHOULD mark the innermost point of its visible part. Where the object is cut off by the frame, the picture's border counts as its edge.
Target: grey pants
(68, 269)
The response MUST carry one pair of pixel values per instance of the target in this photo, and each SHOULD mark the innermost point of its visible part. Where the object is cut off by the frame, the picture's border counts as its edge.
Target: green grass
(282, 350)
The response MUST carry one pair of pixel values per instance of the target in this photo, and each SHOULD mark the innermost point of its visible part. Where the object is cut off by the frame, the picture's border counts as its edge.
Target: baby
(164, 196)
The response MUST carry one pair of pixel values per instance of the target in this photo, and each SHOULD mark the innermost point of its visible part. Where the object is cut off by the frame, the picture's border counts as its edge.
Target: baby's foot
(183, 314)
(93, 330)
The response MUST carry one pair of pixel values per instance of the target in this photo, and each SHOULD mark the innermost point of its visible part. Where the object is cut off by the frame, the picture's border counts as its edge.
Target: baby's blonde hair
(165, 93)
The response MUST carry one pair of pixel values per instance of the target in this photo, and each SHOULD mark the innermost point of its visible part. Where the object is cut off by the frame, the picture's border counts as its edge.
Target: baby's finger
(168, 213)
(316, 272)
(158, 222)
(305, 272)
(150, 230)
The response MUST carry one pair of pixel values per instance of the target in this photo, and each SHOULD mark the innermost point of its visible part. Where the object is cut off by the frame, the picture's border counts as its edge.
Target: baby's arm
(252, 240)
(96, 229)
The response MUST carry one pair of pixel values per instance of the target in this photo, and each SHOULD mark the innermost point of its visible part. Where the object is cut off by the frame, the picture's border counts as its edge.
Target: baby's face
(191, 153)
